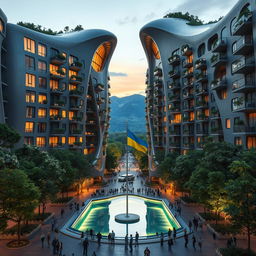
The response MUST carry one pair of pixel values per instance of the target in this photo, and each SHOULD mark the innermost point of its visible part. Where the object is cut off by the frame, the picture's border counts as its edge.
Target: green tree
(241, 205)
(8, 136)
(18, 196)
(185, 165)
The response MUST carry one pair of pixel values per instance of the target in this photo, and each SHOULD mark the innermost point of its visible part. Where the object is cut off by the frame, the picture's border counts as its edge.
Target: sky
(124, 18)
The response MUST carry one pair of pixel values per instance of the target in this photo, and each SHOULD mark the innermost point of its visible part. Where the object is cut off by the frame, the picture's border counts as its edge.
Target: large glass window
(42, 99)
(100, 56)
(228, 123)
(251, 142)
(40, 141)
(29, 62)
(41, 112)
(29, 45)
(42, 82)
(54, 84)
(30, 112)
(41, 127)
(29, 127)
(1, 26)
(30, 97)
(30, 80)
(28, 140)
(41, 50)
(238, 141)
(42, 66)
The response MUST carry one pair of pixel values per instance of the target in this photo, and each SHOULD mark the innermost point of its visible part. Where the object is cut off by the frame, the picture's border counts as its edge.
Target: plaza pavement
(71, 245)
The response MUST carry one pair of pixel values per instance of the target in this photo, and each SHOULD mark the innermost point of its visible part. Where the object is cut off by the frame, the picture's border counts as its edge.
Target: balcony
(59, 59)
(57, 90)
(244, 129)
(76, 131)
(58, 103)
(243, 46)
(158, 72)
(175, 109)
(174, 60)
(201, 77)
(158, 82)
(91, 123)
(76, 144)
(187, 63)
(202, 132)
(243, 65)
(174, 144)
(58, 74)
(57, 118)
(188, 83)
(75, 79)
(174, 86)
(218, 59)
(75, 93)
(201, 104)
(187, 96)
(57, 131)
(202, 118)
(188, 146)
(243, 25)
(75, 119)
(216, 131)
(219, 84)
(201, 91)
(99, 88)
(239, 105)
(174, 74)
(76, 66)
(174, 98)
(200, 64)
(76, 106)
(242, 86)
(187, 73)
(188, 132)
(219, 45)
(186, 50)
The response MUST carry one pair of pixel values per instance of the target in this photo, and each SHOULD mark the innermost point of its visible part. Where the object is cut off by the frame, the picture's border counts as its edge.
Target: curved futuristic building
(201, 81)
(58, 88)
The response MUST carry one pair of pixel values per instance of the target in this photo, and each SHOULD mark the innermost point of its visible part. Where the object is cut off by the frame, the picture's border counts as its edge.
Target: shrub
(236, 252)
(62, 200)
(25, 229)
(224, 228)
(188, 199)
(210, 216)
(40, 217)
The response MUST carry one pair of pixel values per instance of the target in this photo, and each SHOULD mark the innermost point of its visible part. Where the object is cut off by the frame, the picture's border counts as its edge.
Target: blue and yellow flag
(136, 142)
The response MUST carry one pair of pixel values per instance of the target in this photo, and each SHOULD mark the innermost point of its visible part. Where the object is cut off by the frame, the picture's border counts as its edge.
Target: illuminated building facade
(201, 81)
(58, 88)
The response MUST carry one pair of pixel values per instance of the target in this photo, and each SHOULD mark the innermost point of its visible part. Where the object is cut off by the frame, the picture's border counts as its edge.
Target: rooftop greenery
(49, 31)
(192, 20)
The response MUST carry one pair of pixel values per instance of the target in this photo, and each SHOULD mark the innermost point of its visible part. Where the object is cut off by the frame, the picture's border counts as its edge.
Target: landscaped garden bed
(234, 252)
(17, 244)
(209, 216)
(187, 200)
(43, 217)
(62, 201)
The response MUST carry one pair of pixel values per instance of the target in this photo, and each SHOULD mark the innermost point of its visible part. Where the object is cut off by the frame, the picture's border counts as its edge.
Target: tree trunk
(39, 209)
(249, 238)
(43, 207)
(18, 231)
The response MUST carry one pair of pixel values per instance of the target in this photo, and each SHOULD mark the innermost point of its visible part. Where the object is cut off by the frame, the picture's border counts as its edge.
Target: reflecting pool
(99, 215)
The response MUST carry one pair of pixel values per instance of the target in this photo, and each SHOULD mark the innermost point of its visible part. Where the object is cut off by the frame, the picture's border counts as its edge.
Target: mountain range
(129, 109)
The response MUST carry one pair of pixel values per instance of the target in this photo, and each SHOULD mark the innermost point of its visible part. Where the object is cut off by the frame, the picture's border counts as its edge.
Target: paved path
(71, 245)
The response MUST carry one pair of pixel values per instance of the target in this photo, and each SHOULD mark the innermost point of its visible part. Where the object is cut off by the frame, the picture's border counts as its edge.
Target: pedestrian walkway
(75, 247)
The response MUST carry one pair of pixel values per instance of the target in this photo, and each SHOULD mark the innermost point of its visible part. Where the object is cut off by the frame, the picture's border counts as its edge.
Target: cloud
(201, 7)
(142, 59)
(117, 74)
(127, 20)
(150, 16)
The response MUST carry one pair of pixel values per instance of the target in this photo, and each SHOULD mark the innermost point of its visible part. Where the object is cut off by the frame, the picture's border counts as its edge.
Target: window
(251, 142)
(72, 73)
(41, 127)
(201, 50)
(1, 26)
(41, 66)
(42, 82)
(54, 84)
(228, 123)
(72, 59)
(238, 141)
(30, 112)
(41, 50)
(41, 112)
(29, 45)
(53, 141)
(103, 50)
(64, 113)
(42, 99)
(30, 97)
(71, 140)
(40, 141)
(63, 140)
(232, 25)
(28, 140)
(223, 94)
(30, 80)
(212, 41)
(55, 70)
(29, 127)
(252, 119)
(29, 62)
(176, 119)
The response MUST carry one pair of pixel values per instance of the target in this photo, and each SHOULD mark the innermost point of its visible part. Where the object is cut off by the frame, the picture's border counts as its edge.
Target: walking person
(82, 237)
(162, 238)
(146, 252)
(190, 226)
(174, 234)
(42, 237)
(186, 240)
(85, 246)
(99, 236)
(113, 237)
(136, 239)
(60, 248)
(200, 245)
(194, 242)
(169, 233)
(131, 243)
(170, 242)
(48, 237)
(126, 242)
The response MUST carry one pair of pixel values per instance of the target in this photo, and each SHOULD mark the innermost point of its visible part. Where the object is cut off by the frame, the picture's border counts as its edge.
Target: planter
(62, 204)
(188, 203)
